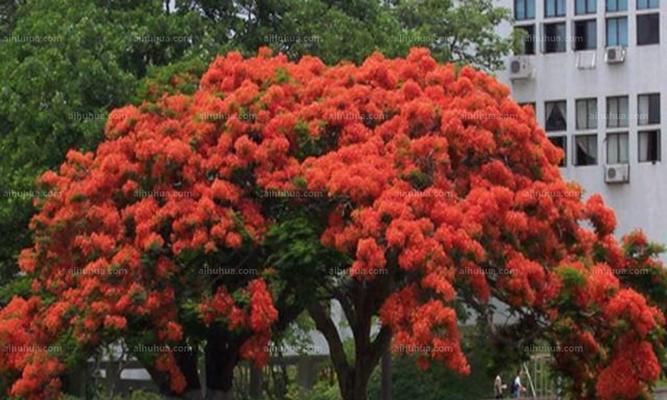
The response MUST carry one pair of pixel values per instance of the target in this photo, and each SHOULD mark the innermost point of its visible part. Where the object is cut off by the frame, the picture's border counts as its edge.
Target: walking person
(498, 387)
(517, 387)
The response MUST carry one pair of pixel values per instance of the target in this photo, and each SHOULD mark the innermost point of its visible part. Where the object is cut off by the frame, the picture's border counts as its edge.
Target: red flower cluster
(431, 174)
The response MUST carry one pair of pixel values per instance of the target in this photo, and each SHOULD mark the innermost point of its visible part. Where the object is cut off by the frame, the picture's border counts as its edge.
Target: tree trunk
(352, 380)
(222, 356)
(386, 375)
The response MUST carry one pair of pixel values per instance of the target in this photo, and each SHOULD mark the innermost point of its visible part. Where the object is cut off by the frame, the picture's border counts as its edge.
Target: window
(617, 5)
(587, 114)
(554, 8)
(648, 106)
(585, 7)
(554, 38)
(561, 143)
(524, 9)
(645, 4)
(649, 146)
(648, 29)
(585, 150)
(527, 39)
(617, 148)
(617, 112)
(556, 115)
(617, 31)
(585, 35)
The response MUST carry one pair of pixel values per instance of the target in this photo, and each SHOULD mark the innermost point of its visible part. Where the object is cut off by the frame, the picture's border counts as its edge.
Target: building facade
(596, 73)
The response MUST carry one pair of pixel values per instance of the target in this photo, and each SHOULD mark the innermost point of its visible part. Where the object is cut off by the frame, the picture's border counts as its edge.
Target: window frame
(575, 36)
(644, 25)
(557, 43)
(608, 118)
(650, 4)
(558, 11)
(588, 101)
(618, 42)
(649, 121)
(546, 115)
(616, 9)
(525, 7)
(528, 39)
(597, 150)
(587, 10)
(658, 145)
(618, 135)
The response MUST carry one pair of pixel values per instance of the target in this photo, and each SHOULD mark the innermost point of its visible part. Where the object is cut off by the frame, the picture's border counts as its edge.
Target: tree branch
(327, 327)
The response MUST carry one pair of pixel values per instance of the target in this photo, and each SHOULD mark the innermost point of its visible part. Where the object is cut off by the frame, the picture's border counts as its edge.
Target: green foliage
(299, 259)
(464, 32)
(16, 287)
(135, 395)
(63, 67)
(571, 277)
(337, 30)
(321, 391)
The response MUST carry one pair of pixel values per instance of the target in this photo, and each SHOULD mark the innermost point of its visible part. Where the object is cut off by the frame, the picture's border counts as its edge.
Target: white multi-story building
(596, 73)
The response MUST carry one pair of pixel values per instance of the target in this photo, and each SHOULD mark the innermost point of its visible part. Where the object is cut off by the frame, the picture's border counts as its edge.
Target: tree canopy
(423, 182)
(65, 64)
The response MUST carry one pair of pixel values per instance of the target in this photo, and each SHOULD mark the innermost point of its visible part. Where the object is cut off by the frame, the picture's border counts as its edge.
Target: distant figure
(517, 388)
(498, 387)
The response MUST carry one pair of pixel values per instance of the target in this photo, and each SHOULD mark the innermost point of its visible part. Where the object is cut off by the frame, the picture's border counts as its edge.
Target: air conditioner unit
(520, 68)
(614, 55)
(617, 173)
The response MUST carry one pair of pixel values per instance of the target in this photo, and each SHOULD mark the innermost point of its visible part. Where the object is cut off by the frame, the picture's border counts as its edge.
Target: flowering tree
(447, 190)
(425, 184)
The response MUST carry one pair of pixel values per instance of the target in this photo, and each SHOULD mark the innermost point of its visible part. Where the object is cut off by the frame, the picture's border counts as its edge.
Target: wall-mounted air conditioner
(617, 173)
(520, 68)
(614, 55)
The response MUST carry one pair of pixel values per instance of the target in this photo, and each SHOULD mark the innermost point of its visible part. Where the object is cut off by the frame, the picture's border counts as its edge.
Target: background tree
(65, 65)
